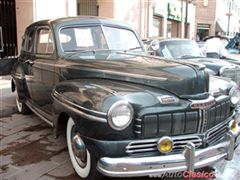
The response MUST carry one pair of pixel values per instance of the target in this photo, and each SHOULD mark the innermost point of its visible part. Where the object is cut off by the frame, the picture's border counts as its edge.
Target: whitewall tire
(83, 172)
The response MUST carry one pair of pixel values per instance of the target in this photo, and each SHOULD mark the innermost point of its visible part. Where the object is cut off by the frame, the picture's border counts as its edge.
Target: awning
(220, 27)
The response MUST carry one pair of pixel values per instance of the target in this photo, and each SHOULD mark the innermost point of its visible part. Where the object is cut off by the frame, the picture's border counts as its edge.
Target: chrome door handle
(1, 40)
(29, 62)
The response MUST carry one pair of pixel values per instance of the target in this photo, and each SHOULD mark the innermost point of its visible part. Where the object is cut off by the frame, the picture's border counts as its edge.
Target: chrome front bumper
(189, 159)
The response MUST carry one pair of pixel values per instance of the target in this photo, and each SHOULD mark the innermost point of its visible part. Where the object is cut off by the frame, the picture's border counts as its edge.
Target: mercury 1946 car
(125, 113)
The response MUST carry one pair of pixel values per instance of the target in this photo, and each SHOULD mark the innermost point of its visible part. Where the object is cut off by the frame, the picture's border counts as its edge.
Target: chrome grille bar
(150, 145)
(217, 133)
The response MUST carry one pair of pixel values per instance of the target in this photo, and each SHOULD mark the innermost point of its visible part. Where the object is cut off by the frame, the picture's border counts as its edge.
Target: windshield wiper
(189, 56)
(137, 47)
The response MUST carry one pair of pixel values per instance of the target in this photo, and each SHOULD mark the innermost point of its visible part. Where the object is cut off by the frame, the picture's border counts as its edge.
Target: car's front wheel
(82, 160)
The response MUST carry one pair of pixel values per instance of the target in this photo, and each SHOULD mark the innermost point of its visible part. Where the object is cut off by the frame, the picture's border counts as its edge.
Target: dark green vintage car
(125, 113)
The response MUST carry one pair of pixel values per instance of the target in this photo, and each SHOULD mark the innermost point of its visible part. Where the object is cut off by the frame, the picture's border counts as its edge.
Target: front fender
(99, 95)
(87, 101)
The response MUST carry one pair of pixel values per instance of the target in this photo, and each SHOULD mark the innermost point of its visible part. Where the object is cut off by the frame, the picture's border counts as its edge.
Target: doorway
(8, 36)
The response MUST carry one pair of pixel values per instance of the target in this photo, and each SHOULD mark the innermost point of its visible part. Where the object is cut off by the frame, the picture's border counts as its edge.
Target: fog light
(233, 126)
(165, 144)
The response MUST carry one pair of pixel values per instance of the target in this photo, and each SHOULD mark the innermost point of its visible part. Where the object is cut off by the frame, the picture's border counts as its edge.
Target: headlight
(234, 94)
(120, 115)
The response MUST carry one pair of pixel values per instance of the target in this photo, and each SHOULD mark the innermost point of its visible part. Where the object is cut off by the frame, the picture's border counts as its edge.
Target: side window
(44, 44)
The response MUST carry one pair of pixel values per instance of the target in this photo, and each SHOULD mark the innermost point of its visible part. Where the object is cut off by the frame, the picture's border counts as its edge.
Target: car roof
(80, 20)
(163, 39)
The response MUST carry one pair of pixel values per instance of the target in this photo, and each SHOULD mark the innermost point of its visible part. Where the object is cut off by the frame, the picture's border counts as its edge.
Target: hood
(178, 78)
(213, 65)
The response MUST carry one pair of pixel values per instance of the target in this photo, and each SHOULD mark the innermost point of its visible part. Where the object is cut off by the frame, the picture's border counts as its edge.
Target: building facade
(166, 18)
(217, 16)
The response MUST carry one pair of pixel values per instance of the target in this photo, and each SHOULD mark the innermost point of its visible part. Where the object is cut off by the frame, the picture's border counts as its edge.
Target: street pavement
(7, 98)
(28, 150)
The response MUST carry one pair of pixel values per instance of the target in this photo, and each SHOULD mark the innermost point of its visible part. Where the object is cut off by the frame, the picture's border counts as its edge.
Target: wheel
(82, 161)
(22, 107)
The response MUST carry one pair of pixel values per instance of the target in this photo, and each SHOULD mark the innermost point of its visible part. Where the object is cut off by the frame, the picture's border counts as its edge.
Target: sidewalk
(7, 98)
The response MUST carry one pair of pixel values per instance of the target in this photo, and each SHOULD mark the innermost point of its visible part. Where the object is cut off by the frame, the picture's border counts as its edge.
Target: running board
(38, 114)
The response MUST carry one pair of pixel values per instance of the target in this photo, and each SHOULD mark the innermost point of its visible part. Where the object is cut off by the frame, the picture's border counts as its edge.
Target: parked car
(233, 52)
(125, 113)
(188, 51)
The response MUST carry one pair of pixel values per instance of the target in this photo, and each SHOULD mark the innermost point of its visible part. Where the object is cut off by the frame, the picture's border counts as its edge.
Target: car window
(82, 38)
(179, 49)
(44, 42)
(121, 39)
(97, 38)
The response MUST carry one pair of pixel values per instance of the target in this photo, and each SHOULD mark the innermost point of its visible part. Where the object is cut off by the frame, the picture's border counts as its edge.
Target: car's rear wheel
(21, 107)
(82, 160)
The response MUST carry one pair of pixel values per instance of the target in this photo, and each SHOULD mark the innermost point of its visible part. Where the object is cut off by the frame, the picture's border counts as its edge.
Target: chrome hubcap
(79, 150)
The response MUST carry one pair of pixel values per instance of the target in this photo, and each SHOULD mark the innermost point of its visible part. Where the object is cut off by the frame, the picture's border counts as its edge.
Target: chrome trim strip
(82, 114)
(144, 166)
(210, 100)
(204, 121)
(222, 98)
(200, 121)
(38, 114)
(59, 96)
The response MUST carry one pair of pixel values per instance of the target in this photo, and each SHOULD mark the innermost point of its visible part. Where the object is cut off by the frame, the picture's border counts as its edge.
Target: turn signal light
(165, 144)
(233, 126)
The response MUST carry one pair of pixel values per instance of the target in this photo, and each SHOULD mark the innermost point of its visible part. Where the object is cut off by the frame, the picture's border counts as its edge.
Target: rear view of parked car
(126, 114)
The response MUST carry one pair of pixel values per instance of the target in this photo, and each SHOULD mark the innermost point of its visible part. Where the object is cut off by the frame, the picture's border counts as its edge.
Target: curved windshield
(178, 49)
(98, 38)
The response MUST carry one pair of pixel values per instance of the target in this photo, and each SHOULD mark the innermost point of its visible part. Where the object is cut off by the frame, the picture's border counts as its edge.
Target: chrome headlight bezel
(115, 108)
(234, 94)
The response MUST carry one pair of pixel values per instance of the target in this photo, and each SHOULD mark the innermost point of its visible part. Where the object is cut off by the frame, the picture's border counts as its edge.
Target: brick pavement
(7, 98)
(28, 151)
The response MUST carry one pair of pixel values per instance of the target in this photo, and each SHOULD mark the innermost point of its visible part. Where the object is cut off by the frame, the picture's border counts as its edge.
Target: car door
(24, 65)
(43, 69)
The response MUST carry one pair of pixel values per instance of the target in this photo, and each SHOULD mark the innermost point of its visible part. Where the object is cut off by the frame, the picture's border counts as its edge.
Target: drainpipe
(229, 17)
(186, 20)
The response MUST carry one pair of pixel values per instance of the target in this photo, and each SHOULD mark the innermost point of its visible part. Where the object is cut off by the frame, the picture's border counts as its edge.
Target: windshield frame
(62, 52)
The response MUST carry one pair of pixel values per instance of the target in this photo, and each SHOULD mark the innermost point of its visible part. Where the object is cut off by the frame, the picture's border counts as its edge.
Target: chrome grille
(216, 114)
(139, 147)
(180, 142)
(233, 73)
(217, 133)
(165, 124)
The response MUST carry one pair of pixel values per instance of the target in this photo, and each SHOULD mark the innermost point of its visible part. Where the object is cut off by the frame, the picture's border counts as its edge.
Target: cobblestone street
(29, 151)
